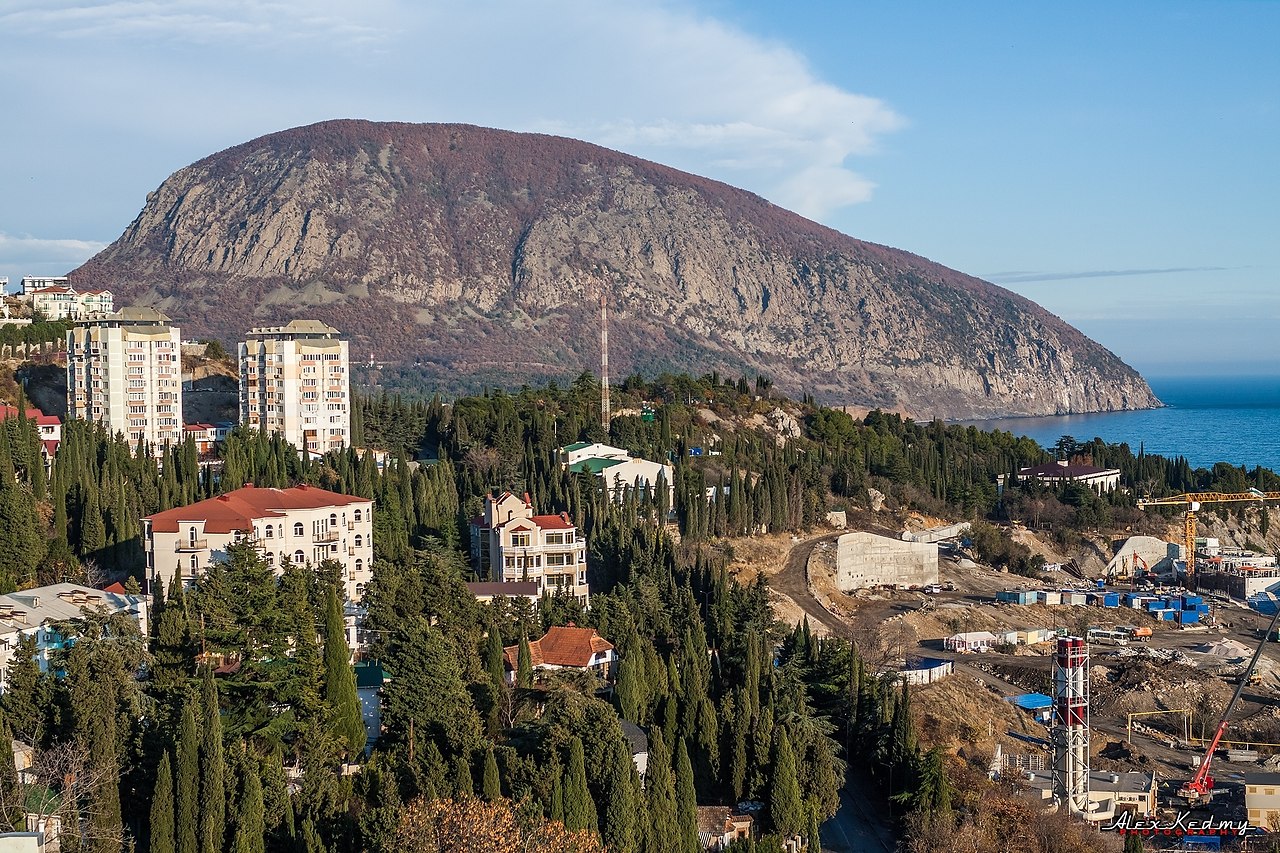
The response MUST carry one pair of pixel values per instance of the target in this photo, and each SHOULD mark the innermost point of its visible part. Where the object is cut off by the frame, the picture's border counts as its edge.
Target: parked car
(933, 588)
(949, 586)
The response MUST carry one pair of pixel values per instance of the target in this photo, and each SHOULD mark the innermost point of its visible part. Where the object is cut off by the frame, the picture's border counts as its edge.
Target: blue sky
(1114, 162)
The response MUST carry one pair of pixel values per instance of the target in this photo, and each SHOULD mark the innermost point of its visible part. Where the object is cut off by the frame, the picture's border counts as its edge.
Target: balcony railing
(187, 545)
(327, 536)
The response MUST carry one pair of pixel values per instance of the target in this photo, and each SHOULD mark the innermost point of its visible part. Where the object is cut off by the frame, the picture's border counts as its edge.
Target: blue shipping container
(1187, 617)
(1167, 615)
(1111, 599)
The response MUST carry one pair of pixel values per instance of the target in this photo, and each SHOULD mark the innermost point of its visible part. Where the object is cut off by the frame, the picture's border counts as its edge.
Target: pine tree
(491, 783)
(162, 808)
(213, 801)
(686, 802)
(340, 680)
(187, 784)
(250, 816)
(785, 805)
(579, 809)
(660, 797)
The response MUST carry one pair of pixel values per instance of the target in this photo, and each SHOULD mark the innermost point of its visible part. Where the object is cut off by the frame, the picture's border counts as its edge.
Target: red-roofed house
(204, 435)
(62, 302)
(302, 524)
(49, 427)
(566, 648)
(1098, 479)
(510, 543)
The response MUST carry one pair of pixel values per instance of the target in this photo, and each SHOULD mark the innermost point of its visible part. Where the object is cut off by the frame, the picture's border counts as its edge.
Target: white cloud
(46, 250)
(659, 80)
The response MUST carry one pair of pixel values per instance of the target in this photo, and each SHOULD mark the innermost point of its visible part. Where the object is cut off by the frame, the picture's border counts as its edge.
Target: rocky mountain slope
(461, 256)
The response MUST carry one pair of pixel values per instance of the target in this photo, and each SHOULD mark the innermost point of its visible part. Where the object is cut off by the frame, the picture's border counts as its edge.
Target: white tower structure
(1071, 725)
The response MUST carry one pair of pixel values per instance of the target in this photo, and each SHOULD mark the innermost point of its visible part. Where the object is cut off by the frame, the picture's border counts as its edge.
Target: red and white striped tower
(1071, 725)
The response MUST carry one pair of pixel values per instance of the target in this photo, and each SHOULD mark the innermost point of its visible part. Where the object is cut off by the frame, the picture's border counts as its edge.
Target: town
(1098, 690)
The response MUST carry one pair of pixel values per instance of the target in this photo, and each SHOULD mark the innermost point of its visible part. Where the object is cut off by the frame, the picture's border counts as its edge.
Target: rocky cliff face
(460, 255)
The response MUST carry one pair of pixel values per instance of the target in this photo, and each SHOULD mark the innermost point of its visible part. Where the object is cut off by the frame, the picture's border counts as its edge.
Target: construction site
(1141, 695)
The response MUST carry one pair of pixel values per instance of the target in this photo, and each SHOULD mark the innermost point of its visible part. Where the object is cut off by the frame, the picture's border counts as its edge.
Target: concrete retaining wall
(864, 560)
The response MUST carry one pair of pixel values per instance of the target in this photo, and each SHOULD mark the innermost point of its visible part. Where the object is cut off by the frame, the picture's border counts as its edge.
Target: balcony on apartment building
(326, 536)
(186, 546)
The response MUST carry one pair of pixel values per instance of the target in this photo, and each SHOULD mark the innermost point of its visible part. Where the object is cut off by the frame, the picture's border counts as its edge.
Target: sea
(1206, 419)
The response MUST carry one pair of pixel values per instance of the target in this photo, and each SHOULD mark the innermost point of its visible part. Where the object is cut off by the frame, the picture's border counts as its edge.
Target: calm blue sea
(1206, 419)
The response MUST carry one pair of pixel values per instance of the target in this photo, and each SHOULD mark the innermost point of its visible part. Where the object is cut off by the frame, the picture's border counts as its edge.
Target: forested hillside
(233, 725)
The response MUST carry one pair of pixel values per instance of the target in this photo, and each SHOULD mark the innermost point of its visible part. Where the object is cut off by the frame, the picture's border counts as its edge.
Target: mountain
(459, 256)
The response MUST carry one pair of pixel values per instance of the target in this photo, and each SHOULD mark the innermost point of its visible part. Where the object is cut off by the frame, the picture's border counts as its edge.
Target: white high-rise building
(294, 380)
(124, 370)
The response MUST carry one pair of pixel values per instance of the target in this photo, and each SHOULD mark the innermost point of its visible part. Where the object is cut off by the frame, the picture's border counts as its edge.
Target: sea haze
(1206, 419)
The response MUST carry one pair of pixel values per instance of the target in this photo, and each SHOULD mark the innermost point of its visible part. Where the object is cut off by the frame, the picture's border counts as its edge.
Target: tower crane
(1192, 501)
(1200, 788)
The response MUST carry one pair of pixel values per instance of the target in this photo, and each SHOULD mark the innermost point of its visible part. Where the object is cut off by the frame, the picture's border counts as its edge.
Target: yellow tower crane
(1191, 503)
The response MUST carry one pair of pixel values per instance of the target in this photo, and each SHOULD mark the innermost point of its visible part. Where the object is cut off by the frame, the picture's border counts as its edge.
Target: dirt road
(793, 582)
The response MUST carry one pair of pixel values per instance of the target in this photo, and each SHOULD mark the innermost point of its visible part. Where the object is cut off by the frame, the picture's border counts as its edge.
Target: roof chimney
(527, 500)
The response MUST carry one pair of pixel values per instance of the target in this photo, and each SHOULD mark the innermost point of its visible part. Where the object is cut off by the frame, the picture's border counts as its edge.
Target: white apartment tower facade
(124, 371)
(295, 380)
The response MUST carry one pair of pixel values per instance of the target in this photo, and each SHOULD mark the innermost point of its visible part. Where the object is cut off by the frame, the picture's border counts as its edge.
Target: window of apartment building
(359, 540)
(333, 519)
(299, 558)
(520, 540)
(195, 564)
(357, 516)
(359, 565)
(298, 530)
(555, 538)
(270, 557)
(509, 562)
(270, 532)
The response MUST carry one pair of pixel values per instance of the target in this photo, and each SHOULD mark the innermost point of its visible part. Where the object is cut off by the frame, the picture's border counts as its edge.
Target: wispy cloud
(1026, 277)
(25, 249)
(660, 80)
(192, 21)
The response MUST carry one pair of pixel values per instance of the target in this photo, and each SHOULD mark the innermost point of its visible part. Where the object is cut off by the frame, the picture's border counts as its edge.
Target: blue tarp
(1032, 701)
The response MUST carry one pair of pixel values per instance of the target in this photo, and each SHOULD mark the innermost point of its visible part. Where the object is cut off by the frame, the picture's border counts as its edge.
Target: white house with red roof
(510, 543)
(48, 426)
(565, 647)
(302, 525)
(63, 302)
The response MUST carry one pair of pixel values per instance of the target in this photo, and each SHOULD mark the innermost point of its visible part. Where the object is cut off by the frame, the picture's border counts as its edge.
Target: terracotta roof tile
(237, 510)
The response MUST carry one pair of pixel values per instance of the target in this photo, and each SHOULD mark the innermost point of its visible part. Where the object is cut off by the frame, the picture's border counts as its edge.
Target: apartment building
(295, 380)
(124, 371)
(510, 543)
(303, 525)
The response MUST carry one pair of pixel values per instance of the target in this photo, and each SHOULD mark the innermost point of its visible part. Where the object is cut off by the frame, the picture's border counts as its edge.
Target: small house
(970, 641)
(566, 647)
(720, 826)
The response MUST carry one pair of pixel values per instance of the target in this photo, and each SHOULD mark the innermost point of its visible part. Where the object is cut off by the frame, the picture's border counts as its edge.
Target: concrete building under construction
(865, 560)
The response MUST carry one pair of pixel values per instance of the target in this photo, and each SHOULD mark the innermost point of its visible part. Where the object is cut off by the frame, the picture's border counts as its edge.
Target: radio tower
(1071, 725)
(604, 366)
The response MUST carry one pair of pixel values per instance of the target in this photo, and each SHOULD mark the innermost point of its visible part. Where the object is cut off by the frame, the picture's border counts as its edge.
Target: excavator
(1200, 788)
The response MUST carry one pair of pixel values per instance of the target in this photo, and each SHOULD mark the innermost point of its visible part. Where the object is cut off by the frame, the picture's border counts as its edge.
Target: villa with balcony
(302, 525)
(509, 543)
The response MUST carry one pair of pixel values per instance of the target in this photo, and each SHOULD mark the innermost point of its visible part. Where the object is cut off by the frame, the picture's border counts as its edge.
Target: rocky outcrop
(461, 256)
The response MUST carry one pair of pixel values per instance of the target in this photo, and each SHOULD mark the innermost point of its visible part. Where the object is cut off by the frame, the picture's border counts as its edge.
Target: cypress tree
(213, 797)
(340, 680)
(463, 785)
(162, 808)
(579, 809)
(493, 659)
(22, 691)
(491, 784)
(557, 797)
(815, 836)
(660, 797)
(686, 802)
(631, 689)
(524, 664)
(9, 791)
(187, 784)
(250, 816)
(622, 788)
(785, 805)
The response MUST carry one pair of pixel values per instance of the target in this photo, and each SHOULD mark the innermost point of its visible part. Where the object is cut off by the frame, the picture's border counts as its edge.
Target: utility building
(124, 371)
(295, 380)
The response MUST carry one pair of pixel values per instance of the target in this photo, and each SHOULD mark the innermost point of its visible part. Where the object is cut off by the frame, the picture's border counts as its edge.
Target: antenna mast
(604, 365)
